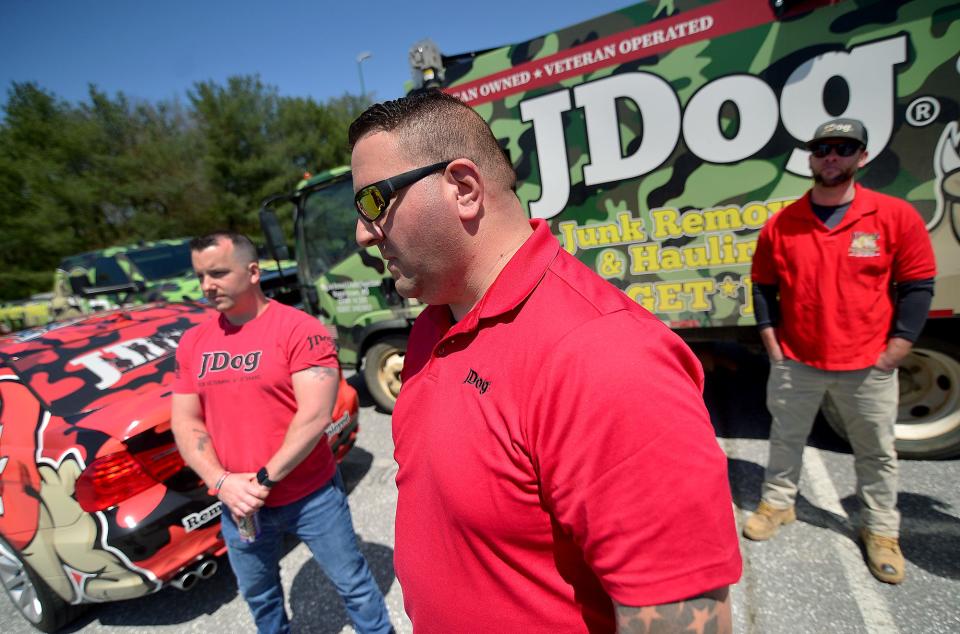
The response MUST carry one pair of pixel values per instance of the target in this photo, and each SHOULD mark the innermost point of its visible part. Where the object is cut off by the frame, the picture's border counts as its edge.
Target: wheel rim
(17, 583)
(389, 374)
(929, 395)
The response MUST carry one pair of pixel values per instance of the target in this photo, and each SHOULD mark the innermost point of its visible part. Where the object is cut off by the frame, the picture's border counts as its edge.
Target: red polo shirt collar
(863, 204)
(513, 285)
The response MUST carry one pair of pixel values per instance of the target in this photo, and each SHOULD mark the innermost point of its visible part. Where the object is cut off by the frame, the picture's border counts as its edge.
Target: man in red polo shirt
(843, 280)
(558, 471)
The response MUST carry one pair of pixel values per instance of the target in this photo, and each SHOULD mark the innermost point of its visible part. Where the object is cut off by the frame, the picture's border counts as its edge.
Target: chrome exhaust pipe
(207, 568)
(185, 581)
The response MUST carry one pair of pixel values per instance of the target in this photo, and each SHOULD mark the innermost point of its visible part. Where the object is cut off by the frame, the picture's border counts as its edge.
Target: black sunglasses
(372, 200)
(846, 148)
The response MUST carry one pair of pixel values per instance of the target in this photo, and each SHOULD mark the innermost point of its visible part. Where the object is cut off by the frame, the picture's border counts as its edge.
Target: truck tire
(382, 365)
(33, 598)
(928, 422)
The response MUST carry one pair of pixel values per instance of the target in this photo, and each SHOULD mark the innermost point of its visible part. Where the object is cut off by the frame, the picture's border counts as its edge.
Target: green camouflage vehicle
(122, 276)
(130, 275)
(348, 287)
(658, 139)
(25, 313)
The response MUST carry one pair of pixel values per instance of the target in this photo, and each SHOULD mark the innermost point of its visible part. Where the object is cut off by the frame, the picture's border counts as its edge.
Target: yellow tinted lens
(371, 202)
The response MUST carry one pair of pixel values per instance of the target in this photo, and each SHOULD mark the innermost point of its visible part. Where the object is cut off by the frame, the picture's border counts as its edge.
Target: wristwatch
(264, 478)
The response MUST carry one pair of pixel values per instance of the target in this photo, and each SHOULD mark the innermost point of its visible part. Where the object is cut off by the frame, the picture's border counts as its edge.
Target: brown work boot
(766, 521)
(883, 556)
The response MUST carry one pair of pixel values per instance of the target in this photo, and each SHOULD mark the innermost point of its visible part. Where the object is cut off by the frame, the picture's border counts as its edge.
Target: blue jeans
(322, 521)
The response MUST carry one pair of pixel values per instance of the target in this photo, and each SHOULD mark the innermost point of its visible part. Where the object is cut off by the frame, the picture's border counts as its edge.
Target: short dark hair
(242, 245)
(434, 126)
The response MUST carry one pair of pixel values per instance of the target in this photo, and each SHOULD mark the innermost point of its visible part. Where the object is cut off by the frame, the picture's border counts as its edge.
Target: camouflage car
(27, 313)
(144, 272)
(130, 275)
(95, 501)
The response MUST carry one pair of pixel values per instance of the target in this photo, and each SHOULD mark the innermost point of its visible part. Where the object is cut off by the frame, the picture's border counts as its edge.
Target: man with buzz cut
(557, 469)
(254, 428)
(843, 280)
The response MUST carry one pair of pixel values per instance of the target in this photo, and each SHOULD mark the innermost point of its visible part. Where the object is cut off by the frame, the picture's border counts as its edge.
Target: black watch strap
(264, 478)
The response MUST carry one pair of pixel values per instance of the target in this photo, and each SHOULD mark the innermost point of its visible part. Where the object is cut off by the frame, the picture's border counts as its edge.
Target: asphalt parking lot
(811, 578)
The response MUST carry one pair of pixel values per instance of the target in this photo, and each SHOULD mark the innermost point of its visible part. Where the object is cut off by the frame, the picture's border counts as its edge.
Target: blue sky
(156, 50)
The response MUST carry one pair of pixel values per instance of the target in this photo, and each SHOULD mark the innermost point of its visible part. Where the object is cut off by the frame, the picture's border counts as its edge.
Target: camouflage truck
(657, 140)
(348, 288)
(129, 275)
(123, 275)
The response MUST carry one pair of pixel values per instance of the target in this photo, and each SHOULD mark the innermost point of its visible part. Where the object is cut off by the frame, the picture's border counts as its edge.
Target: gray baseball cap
(840, 129)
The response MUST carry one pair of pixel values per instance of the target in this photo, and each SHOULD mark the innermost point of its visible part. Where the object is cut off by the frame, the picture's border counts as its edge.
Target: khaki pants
(867, 401)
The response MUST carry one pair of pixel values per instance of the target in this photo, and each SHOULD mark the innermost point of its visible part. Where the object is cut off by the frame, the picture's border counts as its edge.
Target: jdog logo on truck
(868, 71)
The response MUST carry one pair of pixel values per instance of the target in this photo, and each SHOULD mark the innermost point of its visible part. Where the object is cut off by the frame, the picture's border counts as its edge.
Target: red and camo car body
(94, 497)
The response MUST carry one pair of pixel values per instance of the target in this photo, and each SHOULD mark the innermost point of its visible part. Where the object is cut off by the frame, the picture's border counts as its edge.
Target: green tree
(107, 171)
(234, 122)
(163, 192)
(313, 137)
(47, 163)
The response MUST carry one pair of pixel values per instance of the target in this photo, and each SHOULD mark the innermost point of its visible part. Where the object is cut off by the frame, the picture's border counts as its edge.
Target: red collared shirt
(554, 451)
(836, 298)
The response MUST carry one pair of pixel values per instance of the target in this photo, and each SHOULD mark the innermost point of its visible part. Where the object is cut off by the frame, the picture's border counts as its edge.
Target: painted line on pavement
(873, 607)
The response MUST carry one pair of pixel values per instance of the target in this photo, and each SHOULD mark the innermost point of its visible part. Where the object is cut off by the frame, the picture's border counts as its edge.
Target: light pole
(362, 56)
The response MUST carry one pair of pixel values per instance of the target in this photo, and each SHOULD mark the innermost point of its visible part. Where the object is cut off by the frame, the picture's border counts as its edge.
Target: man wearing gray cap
(843, 280)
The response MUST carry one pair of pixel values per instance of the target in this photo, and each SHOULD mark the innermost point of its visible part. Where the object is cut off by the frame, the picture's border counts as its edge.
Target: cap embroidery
(838, 127)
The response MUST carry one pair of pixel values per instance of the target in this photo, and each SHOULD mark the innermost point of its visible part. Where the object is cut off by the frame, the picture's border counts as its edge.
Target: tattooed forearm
(324, 373)
(706, 614)
(202, 439)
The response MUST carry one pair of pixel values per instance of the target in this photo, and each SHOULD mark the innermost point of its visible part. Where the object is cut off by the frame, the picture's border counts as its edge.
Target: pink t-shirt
(242, 375)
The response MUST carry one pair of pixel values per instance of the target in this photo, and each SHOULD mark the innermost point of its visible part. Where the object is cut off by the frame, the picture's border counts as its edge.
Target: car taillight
(161, 462)
(113, 478)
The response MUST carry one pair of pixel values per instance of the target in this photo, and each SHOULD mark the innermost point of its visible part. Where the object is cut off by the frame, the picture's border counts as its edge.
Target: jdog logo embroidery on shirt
(477, 381)
(218, 361)
(316, 340)
(864, 245)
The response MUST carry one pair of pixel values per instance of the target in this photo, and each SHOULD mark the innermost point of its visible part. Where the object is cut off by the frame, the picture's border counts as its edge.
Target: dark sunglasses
(372, 200)
(846, 148)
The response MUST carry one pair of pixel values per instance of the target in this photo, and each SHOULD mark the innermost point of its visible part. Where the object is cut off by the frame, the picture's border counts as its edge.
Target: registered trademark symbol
(923, 111)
